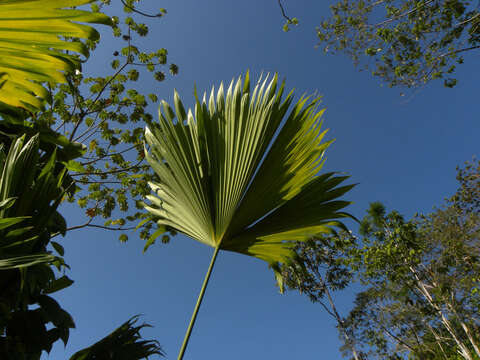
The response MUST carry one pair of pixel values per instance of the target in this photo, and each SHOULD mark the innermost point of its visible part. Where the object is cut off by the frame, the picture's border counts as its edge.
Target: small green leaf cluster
(405, 42)
(288, 23)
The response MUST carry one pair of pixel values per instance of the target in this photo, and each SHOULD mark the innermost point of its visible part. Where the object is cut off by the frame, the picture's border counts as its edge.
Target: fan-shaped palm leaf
(31, 50)
(241, 175)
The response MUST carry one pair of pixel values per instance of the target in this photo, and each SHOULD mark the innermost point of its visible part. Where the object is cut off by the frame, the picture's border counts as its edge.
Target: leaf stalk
(197, 305)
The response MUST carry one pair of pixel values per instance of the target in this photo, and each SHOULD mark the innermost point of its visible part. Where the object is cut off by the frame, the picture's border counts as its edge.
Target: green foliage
(31, 53)
(422, 299)
(31, 188)
(222, 186)
(108, 114)
(240, 174)
(319, 266)
(319, 269)
(288, 23)
(288, 20)
(35, 161)
(406, 42)
(124, 343)
(33, 182)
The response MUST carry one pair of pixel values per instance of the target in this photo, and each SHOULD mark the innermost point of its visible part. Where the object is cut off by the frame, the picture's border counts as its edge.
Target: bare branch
(283, 12)
(88, 224)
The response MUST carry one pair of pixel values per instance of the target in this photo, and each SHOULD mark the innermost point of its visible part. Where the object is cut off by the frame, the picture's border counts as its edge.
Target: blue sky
(401, 150)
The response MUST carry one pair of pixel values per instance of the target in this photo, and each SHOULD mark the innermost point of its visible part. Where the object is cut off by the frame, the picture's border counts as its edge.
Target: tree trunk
(464, 352)
(336, 315)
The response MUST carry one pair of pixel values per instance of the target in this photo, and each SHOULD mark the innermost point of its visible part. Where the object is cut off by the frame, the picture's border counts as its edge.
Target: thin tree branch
(468, 20)
(141, 64)
(101, 92)
(459, 51)
(80, 226)
(140, 12)
(98, 182)
(108, 172)
(88, 224)
(328, 310)
(402, 15)
(283, 11)
(111, 228)
(107, 155)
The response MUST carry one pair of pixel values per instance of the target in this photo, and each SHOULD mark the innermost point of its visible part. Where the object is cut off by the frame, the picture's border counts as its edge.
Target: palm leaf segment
(30, 47)
(240, 174)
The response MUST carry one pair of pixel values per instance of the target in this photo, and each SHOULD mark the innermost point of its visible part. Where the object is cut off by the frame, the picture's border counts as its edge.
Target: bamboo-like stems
(197, 306)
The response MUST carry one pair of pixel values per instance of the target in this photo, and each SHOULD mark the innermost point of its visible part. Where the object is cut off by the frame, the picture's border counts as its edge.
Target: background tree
(422, 299)
(405, 42)
(108, 114)
(318, 270)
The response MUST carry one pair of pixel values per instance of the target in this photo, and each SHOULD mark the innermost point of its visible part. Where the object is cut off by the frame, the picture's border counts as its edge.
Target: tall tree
(317, 271)
(422, 299)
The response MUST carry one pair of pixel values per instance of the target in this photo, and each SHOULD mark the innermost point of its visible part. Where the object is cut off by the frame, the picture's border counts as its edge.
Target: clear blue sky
(401, 150)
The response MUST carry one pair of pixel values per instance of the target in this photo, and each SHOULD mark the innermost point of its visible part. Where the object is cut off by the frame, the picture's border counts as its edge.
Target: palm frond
(31, 50)
(25, 261)
(239, 174)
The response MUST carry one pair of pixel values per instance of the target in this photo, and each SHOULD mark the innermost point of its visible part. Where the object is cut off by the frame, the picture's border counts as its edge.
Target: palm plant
(124, 343)
(30, 192)
(32, 184)
(240, 174)
(31, 50)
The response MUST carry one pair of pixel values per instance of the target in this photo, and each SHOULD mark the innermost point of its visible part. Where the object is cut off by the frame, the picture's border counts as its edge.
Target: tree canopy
(102, 118)
(404, 42)
(421, 276)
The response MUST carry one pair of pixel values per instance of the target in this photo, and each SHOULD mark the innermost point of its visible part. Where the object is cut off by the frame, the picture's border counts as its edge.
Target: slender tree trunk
(437, 339)
(464, 352)
(466, 329)
(348, 341)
